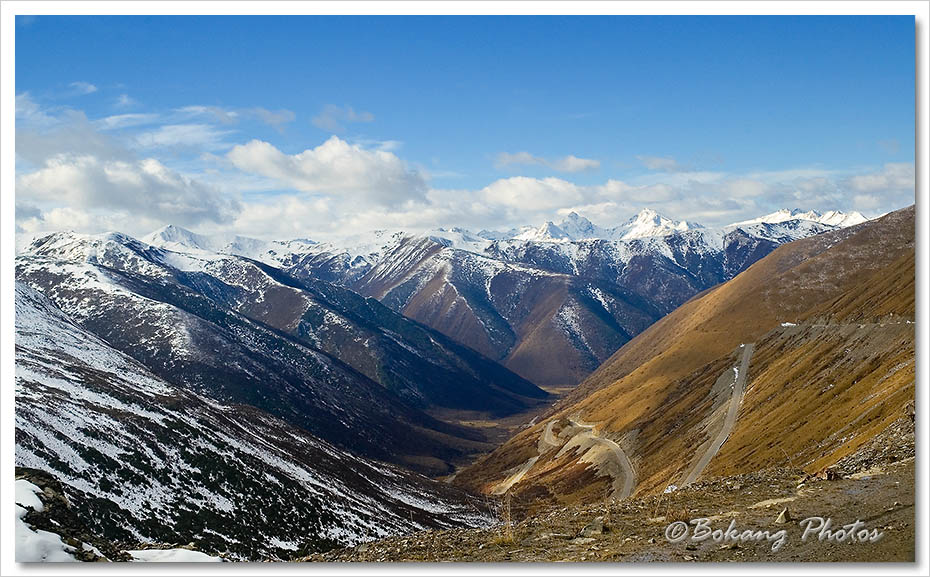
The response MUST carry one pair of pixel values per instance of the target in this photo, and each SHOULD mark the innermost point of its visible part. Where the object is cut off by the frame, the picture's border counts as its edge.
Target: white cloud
(792, 174)
(203, 136)
(507, 159)
(215, 113)
(78, 174)
(617, 190)
(143, 189)
(125, 101)
(335, 168)
(570, 163)
(531, 194)
(288, 216)
(275, 118)
(744, 188)
(119, 121)
(29, 112)
(70, 132)
(89, 220)
(334, 118)
(83, 88)
(892, 176)
(866, 202)
(682, 178)
(659, 163)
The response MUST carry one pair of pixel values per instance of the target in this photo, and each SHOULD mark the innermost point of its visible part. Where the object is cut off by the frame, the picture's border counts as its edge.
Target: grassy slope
(654, 395)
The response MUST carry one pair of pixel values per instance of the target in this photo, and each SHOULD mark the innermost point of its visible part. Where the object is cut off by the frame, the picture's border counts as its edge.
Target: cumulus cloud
(532, 193)
(570, 163)
(91, 176)
(143, 189)
(336, 168)
(84, 220)
(334, 118)
(289, 215)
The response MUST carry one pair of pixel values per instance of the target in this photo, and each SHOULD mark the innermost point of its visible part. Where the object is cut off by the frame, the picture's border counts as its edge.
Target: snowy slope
(146, 461)
(345, 368)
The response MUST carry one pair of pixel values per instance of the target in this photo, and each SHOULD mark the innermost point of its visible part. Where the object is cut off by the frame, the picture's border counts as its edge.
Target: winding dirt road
(589, 432)
(629, 474)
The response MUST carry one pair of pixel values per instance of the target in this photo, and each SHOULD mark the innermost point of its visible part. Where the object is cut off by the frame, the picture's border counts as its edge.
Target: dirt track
(739, 385)
(629, 474)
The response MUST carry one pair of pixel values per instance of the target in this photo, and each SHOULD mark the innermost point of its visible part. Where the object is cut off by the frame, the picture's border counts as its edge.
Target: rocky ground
(57, 517)
(874, 486)
(881, 496)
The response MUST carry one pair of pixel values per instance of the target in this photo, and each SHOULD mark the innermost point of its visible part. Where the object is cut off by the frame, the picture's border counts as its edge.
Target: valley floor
(881, 497)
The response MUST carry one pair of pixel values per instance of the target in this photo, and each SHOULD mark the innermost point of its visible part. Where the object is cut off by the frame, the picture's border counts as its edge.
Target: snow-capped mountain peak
(174, 237)
(842, 219)
(549, 232)
(648, 223)
(579, 227)
(831, 218)
(173, 233)
(575, 227)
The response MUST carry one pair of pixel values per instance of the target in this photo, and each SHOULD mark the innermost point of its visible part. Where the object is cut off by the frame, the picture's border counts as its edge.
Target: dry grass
(657, 387)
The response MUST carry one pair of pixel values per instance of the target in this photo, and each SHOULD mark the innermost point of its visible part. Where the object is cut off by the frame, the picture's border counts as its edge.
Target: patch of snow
(27, 495)
(172, 556)
(36, 546)
(289, 545)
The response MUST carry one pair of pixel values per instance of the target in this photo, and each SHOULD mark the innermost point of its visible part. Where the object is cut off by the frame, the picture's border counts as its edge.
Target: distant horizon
(23, 239)
(281, 127)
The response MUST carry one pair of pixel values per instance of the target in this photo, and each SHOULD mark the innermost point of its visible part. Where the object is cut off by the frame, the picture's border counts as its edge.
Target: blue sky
(327, 123)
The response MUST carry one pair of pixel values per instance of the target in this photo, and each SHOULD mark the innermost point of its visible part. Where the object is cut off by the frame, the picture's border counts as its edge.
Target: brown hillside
(828, 369)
